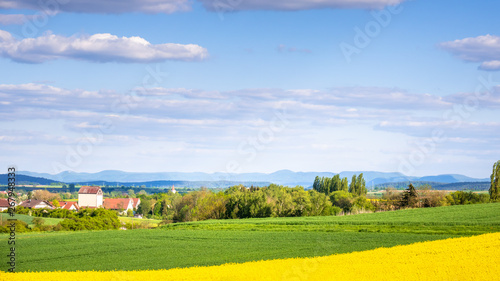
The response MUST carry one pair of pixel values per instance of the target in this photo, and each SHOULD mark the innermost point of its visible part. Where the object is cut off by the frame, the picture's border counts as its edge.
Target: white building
(90, 196)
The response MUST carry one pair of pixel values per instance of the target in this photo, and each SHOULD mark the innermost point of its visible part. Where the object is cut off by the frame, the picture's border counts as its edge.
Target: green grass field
(28, 219)
(218, 242)
(457, 220)
(152, 223)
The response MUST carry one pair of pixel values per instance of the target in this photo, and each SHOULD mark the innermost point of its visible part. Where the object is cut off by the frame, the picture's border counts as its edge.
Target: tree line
(328, 185)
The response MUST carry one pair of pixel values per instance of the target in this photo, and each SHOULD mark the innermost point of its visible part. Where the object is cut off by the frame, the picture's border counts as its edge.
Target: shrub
(92, 219)
(464, 198)
(20, 227)
(38, 222)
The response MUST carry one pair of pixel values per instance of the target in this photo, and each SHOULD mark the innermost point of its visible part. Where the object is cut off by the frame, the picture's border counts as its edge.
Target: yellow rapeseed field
(471, 258)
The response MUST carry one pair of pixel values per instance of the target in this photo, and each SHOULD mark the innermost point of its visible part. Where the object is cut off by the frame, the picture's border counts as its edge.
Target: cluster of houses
(88, 197)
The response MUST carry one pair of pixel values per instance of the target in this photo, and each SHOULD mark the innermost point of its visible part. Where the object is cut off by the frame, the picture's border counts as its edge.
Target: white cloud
(490, 65)
(484, 49)
(101, 6)
(97, 48)
(294, 5)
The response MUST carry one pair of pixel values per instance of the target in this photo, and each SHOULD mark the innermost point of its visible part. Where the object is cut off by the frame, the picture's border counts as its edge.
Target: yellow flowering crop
(471, 258)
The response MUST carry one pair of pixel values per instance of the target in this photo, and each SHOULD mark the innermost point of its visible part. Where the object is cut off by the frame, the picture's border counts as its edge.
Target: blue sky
(254, 86)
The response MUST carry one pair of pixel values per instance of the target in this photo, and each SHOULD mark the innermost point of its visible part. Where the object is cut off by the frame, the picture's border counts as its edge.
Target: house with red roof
(69, 205)
(4, 204)
(90, 197)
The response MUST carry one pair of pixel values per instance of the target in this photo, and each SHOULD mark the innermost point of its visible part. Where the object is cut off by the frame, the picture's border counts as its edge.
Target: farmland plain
(218, 242)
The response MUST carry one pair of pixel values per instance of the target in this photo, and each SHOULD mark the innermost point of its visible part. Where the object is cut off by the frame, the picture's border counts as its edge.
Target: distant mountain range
(283, 177)
(481, 185)
(23, 179)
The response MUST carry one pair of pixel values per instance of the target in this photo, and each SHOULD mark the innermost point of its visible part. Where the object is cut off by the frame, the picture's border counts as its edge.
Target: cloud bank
(101, 6)
(195, 112)
(295, 5)
(484, 49)
(171, 6)
(103, 47)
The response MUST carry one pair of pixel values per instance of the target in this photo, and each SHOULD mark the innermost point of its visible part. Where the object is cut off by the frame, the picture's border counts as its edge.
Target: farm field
(458, 220)
(219, 242)
(451, 259)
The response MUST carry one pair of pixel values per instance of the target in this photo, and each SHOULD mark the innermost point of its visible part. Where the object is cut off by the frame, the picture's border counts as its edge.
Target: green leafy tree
(301, 201)
(283, 204)
(319, 204)
(465, 198)
(91, 219)
(55, 203)
(343, 200)
(157, 209)
(145, 207)
(131, 193)
(495, 182)
(361, 205)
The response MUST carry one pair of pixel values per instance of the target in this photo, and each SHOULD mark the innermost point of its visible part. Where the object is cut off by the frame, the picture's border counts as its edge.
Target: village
(91, 197)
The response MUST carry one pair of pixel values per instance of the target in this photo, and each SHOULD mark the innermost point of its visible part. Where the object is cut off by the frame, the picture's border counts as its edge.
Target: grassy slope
(28, 219)
(153, 223)
(190, 244)
(458, 220)
(452, 215)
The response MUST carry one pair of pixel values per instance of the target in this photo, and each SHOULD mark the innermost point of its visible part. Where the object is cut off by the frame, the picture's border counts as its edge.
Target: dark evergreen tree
(409, 197)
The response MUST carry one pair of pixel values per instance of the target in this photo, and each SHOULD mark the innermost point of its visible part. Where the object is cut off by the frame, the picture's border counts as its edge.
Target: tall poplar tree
(335, 183)
(360, 185)
(316, 184)
(495, 182)
(352, 187)
(344, 184)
